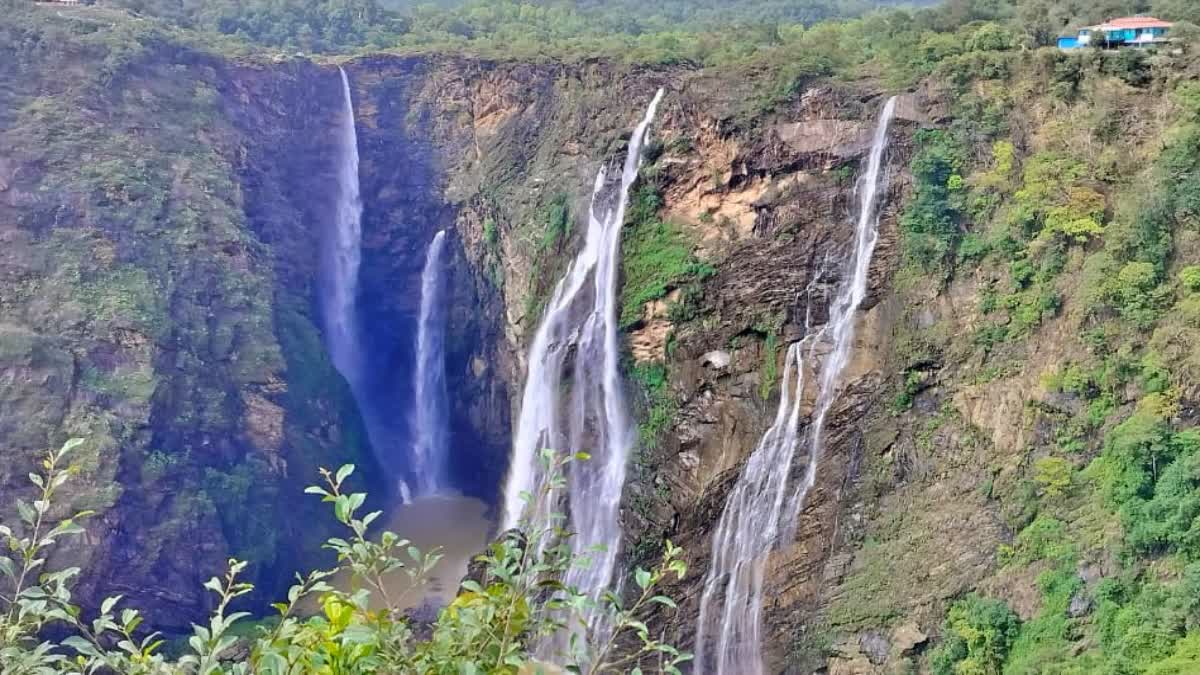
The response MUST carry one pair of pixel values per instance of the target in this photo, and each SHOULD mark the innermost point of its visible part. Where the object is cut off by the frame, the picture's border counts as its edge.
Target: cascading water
(343, 254)
(580, 321)
(430, 431)
(759, 513)
(341, 258)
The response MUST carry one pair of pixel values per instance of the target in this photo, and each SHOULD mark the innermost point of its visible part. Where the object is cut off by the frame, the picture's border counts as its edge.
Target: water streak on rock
(760, 512)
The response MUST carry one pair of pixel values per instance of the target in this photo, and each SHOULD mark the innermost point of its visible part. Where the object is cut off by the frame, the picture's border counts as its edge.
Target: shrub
(1053, 475)
(1184, 660)
(491, 626)
(978, 634)
(1189, 278)
(1137, 293)
(930, 224)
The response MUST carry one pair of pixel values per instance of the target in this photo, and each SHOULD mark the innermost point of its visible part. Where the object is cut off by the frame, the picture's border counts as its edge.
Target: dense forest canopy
(703, 30)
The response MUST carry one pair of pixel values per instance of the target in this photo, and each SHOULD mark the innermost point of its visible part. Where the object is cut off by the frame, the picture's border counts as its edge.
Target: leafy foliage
(931, 221)
(656, 257)
(979, 632)
(491, 626)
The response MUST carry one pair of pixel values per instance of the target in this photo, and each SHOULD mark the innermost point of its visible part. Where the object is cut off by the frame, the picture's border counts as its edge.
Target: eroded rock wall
(240, 404)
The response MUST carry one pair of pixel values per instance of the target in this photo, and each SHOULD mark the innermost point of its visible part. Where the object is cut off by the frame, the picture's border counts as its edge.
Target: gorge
(889, 326)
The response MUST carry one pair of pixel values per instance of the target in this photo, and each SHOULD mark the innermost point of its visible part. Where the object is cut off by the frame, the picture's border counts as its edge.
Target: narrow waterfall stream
(590, 416)
(430, 433)
(342, 254)
(341, 259)
(759, 513)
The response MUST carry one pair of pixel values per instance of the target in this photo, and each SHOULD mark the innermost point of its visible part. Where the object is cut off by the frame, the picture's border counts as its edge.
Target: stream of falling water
(589, 415)
(343, 254)
(759, 514)
(430, 431)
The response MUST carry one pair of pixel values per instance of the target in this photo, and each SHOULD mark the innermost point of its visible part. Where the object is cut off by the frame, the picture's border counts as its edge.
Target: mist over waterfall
(577, 343)
(761, 511)
(430, 432)
(342, 253)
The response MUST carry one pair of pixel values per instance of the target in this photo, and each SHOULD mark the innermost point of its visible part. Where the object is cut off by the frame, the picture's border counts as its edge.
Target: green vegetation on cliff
(1050, 199)
(656, 258)
(145, 304)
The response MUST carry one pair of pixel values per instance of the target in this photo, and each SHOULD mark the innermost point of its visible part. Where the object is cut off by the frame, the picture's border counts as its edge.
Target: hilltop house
(1130, 31)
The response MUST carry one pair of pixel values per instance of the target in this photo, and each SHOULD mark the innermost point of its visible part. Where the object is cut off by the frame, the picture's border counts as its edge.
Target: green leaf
(343, 473)
(70, 445)
(26, 511)
(642, 577)
(80, 645)
(106, 607)
(679, 567)
(341, 509)
(664, 600)
(370, 518)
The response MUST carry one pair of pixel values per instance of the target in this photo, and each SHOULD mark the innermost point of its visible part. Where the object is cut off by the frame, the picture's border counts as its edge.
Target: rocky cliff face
(163, 306)
(765, 200)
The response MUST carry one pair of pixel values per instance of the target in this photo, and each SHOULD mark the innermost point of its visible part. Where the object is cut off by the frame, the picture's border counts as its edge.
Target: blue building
(1131, 31)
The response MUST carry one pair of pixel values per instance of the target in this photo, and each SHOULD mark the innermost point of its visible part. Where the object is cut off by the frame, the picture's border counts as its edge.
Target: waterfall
(343, 254)
(840, 327)
(341, 258)
(759, 513)
(430, 429)
(580, 321)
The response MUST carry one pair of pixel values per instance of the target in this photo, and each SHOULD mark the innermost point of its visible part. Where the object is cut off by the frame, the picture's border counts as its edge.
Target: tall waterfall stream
(590, 415)
(430, 441)
(761, 510)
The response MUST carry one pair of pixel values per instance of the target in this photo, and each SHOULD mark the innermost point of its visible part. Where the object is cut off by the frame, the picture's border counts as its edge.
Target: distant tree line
(341, 25)
(706, 31)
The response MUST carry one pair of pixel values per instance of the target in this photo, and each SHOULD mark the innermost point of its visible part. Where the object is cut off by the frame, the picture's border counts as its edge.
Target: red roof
(1134, 22)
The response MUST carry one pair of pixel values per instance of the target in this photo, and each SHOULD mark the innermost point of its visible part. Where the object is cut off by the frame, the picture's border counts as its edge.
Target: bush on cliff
(517, 600)
(979, 632)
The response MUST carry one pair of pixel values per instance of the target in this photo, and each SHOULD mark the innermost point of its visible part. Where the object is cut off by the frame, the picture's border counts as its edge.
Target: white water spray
(580, 321)
(343, 254)
(759, 514)
(430, 431)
